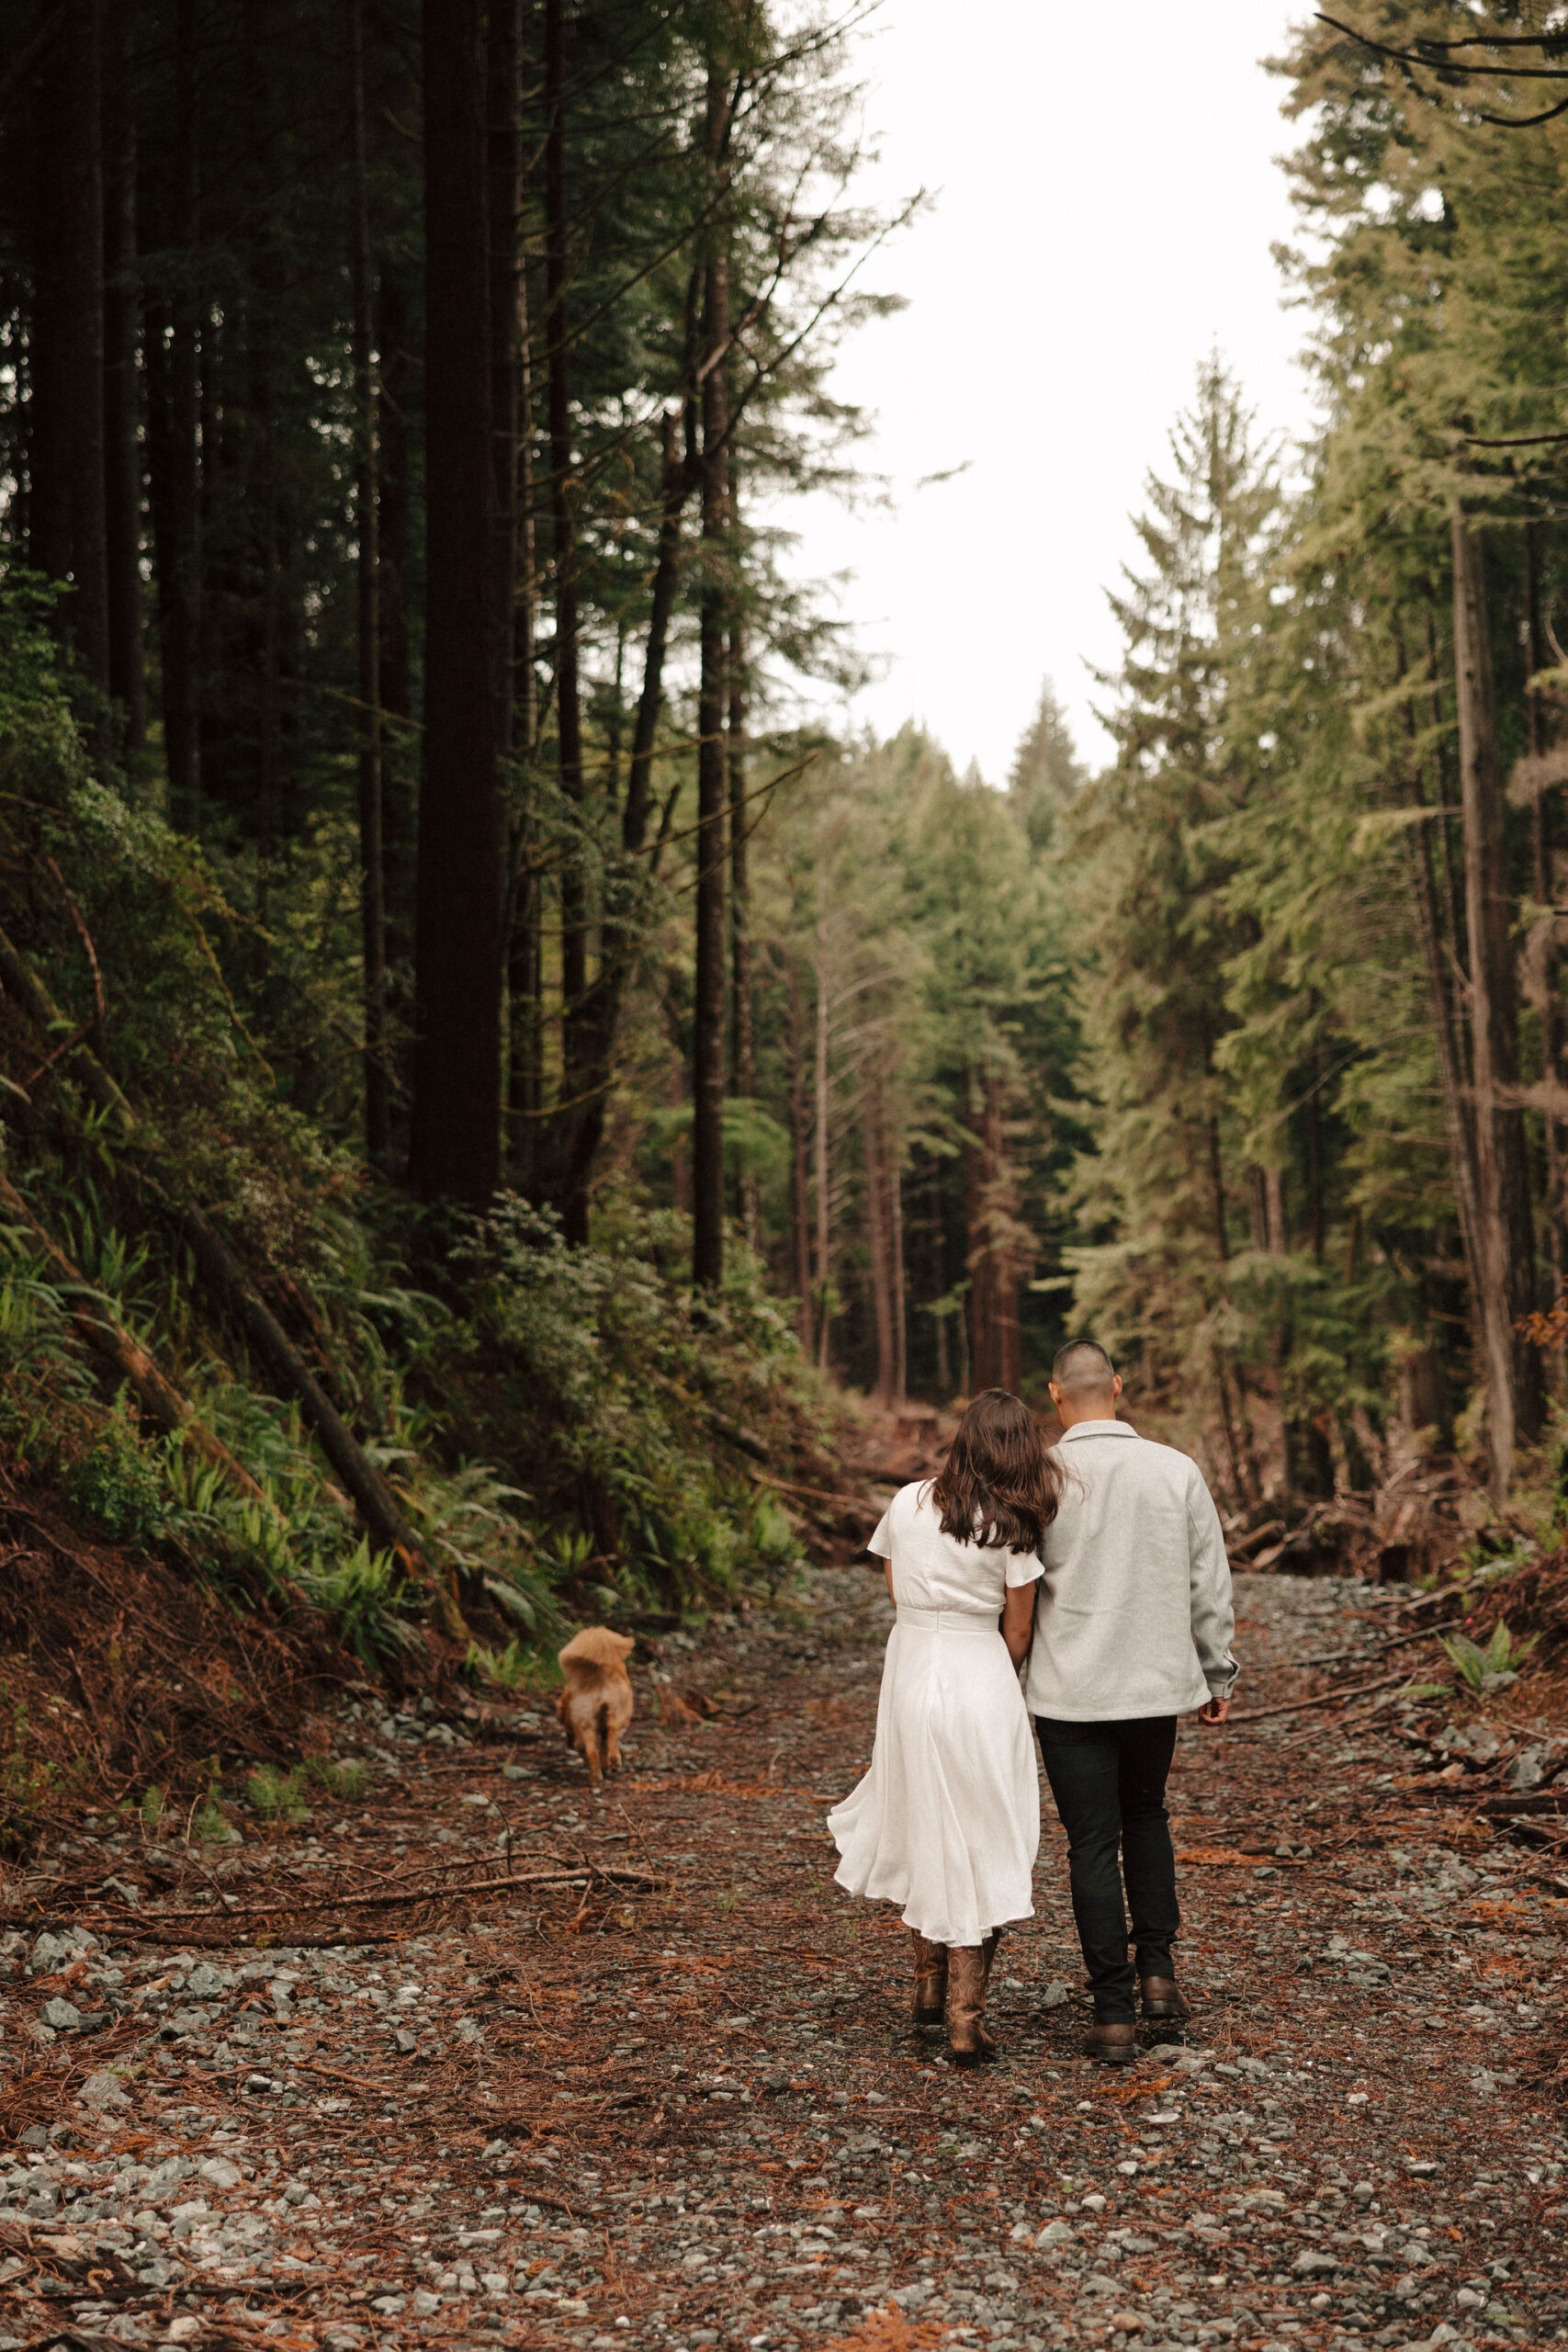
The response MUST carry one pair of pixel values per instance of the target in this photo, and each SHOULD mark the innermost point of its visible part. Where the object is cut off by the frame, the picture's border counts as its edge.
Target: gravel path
(680, 2107)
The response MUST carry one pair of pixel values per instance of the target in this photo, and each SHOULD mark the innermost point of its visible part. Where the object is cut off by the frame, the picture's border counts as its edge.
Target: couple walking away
(1103, 1559)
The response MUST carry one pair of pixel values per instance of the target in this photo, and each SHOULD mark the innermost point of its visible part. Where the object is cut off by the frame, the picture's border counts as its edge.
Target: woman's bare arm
(1017, 1616)
(887, 1572)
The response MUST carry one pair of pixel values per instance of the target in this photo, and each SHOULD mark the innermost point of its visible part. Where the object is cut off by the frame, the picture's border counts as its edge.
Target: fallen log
(162, 1402)
(372, 1496)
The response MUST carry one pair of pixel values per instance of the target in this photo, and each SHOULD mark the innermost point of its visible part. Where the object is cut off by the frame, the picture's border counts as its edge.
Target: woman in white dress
(946, 1823)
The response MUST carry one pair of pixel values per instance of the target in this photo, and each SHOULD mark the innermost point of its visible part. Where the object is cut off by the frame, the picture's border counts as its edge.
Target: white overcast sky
(1107, 194)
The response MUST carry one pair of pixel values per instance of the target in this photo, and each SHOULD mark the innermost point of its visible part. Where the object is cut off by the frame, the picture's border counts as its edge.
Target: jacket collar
(1096, 1429)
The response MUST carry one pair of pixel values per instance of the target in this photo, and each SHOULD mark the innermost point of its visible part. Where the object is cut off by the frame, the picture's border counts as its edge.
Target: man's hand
(1213, 1711)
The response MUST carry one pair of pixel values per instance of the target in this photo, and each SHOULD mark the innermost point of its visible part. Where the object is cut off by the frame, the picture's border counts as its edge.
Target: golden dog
(596, 1705)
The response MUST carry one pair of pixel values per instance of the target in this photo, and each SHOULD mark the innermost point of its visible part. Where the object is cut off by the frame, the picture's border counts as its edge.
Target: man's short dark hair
(1082, 1364)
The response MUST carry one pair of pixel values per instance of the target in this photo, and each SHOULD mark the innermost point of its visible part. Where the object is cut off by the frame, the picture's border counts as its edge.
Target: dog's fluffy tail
(596, 1645)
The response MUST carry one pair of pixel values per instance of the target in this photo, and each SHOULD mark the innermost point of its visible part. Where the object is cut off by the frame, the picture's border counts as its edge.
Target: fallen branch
(1540, 1801)
(1323, 1699)
(414, 1895)
(1379, 1649)
(373, 1497)
(157, 1395)
(816, 1494)
(336, 2075)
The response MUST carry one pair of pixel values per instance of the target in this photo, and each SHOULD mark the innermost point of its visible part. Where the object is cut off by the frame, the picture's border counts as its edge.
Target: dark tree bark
(395, 400)
(1458, 1110)
(577, 1076)
(525, 945)
(393, 394)
(172, 346)
(505, 153)
(372, 862)
(707, 1025)
(69, 518)
(455, 1138)
(122, 451)
(1504, 1241)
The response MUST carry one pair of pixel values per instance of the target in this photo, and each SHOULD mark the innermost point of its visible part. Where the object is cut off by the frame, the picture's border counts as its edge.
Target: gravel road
(658, 2090)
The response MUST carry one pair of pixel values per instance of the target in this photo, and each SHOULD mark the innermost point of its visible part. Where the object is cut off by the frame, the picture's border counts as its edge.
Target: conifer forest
(482, 1076)
(521, 1114)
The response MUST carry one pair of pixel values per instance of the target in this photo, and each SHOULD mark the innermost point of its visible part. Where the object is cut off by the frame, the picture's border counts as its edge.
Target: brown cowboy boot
(929, 1999)
(966, 2005)
(1162, 2000)
(988, 1953)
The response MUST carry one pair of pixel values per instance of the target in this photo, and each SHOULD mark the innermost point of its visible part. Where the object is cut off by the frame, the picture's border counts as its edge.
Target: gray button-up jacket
(1133, 1615)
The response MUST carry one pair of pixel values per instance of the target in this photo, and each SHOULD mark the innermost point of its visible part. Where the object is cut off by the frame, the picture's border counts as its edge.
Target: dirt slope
(657, 2090)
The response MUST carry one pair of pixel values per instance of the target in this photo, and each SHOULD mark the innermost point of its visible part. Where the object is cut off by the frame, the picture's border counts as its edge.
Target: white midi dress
(946, 1822)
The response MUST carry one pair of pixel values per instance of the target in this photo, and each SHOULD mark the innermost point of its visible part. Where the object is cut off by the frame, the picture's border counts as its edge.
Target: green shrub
(1493, 1667)
(120, 1484)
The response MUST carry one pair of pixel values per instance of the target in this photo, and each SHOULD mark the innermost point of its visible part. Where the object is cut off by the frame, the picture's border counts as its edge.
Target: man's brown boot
(1112, 2041)
(966, 2005)
(929, 2003)
(1162, 2000)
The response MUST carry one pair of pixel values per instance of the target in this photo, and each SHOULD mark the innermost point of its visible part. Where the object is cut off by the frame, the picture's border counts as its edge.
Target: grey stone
(104, 2090)
(62, 2015)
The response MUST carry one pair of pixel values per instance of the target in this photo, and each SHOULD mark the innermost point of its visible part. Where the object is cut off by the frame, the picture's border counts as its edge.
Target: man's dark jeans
(1108, 1782)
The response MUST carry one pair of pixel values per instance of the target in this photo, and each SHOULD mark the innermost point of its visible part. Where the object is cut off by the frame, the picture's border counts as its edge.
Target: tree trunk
(981, 1350)
(400, 756)
(878, 1237)
(576, 1128)
(742, 1028)
(366, 501)
(392, 396)
(1542, 846)
(174, 468)
(896, 1241)
(502, 73)
(1505, 1250)
(122, 448)
(800, 1162)
(456, 1141)
(707, 1023)
(819, 1145)
(69, 521)
(1458, 1121)
(575, 1046)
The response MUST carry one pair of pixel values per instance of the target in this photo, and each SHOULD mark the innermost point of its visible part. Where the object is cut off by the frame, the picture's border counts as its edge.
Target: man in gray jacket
(1133, 1628)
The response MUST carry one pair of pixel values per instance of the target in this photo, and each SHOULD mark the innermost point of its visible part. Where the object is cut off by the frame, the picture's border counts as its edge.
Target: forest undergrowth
(269, 1428)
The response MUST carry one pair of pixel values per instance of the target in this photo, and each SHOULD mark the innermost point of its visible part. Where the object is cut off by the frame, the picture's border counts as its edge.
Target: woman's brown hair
(999, 1484)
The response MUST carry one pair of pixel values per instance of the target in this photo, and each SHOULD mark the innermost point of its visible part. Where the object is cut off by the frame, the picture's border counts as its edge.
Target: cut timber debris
(373, 1497)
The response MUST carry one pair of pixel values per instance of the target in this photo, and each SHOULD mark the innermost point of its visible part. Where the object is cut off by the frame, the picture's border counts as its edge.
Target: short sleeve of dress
(881, 1542)
(1023, 1567)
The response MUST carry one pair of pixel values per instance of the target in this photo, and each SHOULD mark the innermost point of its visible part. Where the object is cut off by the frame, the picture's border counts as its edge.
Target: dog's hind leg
(610, 1733)
(591, 1749)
